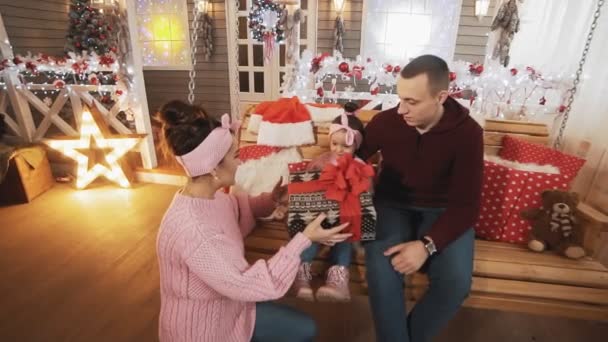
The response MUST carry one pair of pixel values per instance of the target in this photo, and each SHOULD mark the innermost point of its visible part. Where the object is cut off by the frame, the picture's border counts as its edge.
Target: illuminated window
(403, 29)
(163, 33)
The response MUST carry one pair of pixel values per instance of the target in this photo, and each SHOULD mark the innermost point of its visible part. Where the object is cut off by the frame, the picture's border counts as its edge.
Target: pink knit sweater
(208, 289)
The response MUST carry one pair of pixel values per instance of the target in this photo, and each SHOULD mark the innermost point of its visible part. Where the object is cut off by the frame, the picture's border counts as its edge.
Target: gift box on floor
(28, 174)
(342, 192)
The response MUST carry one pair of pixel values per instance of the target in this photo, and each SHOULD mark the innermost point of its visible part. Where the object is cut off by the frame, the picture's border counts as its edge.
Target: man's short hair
(435, 68)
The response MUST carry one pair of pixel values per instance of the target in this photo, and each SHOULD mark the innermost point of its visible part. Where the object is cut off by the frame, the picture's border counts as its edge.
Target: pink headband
(210, 152)
(352, 135)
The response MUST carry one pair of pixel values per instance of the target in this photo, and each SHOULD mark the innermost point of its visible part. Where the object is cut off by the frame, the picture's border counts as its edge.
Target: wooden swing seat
(506, 277)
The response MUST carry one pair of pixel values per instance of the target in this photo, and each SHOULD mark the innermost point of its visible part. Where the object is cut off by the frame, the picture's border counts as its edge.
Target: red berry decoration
(452, 76)
(343, 67)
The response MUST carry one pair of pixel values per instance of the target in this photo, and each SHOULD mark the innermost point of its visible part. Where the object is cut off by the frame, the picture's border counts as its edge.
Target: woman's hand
(279, 193)
(330, 236)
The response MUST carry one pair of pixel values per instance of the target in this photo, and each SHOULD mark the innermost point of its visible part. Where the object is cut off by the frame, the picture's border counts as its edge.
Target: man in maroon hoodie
(427, 200)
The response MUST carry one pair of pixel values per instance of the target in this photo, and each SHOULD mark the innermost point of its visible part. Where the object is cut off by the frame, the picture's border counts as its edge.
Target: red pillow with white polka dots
(522, 151)
(516, 229)
(500, 192)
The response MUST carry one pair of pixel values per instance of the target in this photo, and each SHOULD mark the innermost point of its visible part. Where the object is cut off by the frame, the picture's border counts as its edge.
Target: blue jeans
(449, 272)
(340, 254)
(277, 322)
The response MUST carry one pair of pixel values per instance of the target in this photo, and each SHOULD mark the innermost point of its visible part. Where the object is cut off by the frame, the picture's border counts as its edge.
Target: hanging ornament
(374, 89)
(333, 86)
(397, 69)
(47, 101)
(452, 76)
(319, 87)
(93, 79)
(266, 21)
(513, 71)
(58, 84)
(388, 68)
(343, 67)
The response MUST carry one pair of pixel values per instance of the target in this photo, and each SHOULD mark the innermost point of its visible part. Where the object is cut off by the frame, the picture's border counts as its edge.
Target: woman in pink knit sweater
(209, 292)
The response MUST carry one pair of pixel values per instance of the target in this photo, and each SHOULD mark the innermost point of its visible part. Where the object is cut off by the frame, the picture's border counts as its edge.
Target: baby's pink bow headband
(352, 135)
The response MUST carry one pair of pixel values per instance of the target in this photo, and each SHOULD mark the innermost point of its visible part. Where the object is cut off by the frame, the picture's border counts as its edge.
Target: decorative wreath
(261, 12)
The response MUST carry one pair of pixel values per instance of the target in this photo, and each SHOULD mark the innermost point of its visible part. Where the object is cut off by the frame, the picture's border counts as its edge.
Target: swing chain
(236, 113)
(560, 136)
(196, 14)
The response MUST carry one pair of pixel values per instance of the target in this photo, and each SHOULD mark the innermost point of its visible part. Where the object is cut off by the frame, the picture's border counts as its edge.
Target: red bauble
(388, 68)
(343, 67)
(397, 69)
(513, 71)
(479, 69)
(452, 76)
(119, 92)
(369, 60)
(320, 92)
(562, 108)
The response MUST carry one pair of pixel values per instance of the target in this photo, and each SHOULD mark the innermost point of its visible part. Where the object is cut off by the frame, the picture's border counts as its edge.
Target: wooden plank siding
(212, 89)
(36, 26)
(472, 33)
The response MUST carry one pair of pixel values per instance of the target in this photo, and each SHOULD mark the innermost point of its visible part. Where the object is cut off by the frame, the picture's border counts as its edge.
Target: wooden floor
(81, 266)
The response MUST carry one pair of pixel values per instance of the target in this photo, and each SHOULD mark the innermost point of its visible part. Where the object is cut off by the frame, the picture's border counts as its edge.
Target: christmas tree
(88, 31)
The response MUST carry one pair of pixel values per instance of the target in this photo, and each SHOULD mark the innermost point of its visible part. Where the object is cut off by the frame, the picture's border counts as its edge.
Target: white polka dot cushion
(525, 152)
(507, 191)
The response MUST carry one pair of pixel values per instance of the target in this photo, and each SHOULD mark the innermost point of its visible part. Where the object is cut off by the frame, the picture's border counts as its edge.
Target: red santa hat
(286, 122)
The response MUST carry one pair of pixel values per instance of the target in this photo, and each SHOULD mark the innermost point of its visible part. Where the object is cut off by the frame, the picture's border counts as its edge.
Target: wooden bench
(506, 276)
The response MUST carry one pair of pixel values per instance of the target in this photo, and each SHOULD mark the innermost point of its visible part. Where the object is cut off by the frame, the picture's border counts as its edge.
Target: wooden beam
(140, 105)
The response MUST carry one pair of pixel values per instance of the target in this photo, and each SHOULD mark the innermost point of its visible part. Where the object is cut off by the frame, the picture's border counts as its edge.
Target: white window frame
(272, 70)
(362, 50)
(171, 67)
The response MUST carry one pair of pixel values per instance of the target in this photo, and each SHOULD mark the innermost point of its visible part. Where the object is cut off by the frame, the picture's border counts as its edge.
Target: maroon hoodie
(441, 168)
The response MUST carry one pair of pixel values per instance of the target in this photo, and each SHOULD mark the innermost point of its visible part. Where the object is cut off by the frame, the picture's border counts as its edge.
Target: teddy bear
(555, 225)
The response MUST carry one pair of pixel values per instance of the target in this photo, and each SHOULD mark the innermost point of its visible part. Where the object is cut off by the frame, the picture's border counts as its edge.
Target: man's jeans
(449, 272)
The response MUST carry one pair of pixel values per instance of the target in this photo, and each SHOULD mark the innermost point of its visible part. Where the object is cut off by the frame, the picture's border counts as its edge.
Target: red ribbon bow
(343, 182)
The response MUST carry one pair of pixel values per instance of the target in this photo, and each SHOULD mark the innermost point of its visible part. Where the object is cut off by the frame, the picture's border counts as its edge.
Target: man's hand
(407, 257)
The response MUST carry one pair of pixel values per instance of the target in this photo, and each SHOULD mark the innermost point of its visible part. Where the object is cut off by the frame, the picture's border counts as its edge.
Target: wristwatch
(429, 245)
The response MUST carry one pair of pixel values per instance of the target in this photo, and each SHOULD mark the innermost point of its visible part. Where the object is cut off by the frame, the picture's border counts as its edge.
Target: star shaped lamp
(97, 151)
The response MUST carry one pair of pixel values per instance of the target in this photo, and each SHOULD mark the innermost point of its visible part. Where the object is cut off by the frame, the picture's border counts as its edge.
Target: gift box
(341, 191)
(28, 175)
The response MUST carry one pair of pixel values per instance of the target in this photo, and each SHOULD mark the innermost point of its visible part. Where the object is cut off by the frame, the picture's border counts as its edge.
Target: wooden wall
(212, 85)
(352, 23)
(36, 25)
(472, 33)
